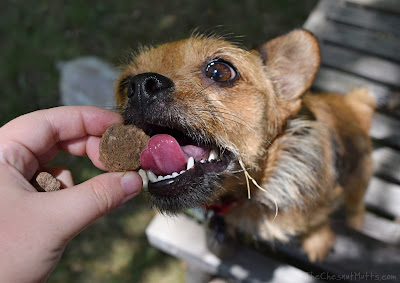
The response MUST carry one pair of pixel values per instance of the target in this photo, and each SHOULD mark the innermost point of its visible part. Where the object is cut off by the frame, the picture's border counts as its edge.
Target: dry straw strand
(247, 175)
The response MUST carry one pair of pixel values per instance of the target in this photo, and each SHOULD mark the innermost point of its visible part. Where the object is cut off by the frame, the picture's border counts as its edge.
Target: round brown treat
(120, 147)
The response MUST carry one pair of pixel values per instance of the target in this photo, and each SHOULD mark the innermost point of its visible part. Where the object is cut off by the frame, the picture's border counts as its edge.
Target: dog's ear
(292, 61)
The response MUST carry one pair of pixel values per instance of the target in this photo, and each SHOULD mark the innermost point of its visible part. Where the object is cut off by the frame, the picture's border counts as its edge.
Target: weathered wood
(196, 275)
(387, 164)
(384, 196)
(355, 253)
(366, 18)
(381, 229)
(184, 238)
(370, 67)
(349, 36)
(332, 80)
(358, 39)
(391, 6)
(386, 129)
(318, 15)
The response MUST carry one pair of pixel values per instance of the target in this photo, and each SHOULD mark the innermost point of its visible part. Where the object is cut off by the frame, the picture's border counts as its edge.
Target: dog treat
(120, 147)
(45, 182)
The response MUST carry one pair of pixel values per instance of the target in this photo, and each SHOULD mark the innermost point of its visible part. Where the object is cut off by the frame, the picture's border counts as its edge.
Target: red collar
(221, 208)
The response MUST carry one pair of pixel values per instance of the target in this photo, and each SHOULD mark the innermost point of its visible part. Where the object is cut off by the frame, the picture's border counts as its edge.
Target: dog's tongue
(163, 155)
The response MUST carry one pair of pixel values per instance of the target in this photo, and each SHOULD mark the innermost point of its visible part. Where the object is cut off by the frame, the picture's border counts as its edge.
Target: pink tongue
(163, 155)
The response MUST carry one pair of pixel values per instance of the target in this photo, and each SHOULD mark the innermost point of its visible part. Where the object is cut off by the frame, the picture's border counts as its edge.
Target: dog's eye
(221, 71)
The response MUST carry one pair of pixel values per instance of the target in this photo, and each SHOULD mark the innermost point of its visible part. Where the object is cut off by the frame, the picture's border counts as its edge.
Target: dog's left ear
(292, 61)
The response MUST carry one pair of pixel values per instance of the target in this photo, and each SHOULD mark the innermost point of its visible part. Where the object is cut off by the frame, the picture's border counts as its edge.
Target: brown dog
(209, 106)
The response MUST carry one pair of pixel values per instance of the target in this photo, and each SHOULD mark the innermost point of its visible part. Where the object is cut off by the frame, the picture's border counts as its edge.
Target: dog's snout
(150, 95)
(149, 86)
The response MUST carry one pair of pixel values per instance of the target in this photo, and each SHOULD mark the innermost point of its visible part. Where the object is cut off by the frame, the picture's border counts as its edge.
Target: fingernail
(132, 183)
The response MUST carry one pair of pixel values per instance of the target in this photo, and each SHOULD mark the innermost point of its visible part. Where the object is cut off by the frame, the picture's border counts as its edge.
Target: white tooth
(213, 155)
(183, 171)
(160, 178)
(190, 163)
(174, 175)
(145, 179)
(202, 161)
(168, 177)
(152, 176)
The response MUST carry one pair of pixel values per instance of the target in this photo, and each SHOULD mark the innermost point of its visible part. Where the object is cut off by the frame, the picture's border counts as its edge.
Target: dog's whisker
(222, 101)
(203, 89)
(238, 171)
(241, 122)
(229, 112)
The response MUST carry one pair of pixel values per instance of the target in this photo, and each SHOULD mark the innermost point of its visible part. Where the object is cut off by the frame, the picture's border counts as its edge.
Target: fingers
(88, 145)
(33, 138)
(38, 131)
(75, 208)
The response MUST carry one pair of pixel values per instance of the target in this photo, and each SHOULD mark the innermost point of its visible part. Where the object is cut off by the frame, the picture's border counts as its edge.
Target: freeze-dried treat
(45, 182)
(120, 147)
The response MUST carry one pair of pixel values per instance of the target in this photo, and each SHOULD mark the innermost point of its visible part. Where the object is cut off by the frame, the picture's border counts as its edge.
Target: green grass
(36, 34)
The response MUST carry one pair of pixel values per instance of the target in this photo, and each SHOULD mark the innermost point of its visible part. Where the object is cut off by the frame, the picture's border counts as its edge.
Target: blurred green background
(34, 35)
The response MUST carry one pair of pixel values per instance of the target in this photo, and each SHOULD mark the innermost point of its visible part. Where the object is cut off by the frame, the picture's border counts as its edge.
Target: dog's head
(207, 103)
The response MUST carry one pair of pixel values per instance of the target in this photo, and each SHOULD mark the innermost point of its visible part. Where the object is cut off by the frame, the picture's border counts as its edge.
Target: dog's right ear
(292, 61)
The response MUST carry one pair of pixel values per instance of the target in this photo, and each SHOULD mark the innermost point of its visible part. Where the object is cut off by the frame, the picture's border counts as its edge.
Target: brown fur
(309, 151)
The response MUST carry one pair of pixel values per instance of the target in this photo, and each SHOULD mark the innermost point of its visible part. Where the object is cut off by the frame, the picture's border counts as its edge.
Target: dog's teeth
(173, 175)
(213, 155)
(145, 179)
(190, 163)
(152, 176)
(148, 175)
(202, 161)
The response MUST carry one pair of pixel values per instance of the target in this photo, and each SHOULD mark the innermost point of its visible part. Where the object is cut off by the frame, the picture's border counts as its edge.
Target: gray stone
(87, 81)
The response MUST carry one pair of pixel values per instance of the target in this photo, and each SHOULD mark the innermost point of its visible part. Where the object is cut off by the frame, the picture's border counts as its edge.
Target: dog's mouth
(172, 155)
(181, 170)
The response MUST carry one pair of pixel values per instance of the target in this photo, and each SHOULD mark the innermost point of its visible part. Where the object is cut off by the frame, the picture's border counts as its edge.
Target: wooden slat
(385, 5)
(318, 15)
(368, 19)
(358, 39)
(370, 67)
(353, 253)
(184, 238)
(381, 229)
(386, 129)
(349, 36)
(387, 164)
(331, 80)
(383, 128)
(384, 196)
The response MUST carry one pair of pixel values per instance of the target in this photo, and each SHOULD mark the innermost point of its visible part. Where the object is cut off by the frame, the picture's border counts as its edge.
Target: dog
(236, 131)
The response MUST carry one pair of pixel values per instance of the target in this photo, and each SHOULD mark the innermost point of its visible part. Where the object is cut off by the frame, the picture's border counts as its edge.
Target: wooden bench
(360, 46)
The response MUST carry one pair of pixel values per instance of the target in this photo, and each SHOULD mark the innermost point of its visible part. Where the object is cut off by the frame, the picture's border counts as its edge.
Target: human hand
(35, 227)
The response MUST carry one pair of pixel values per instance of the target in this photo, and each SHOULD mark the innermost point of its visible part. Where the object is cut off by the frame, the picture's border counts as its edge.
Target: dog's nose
(147, 87)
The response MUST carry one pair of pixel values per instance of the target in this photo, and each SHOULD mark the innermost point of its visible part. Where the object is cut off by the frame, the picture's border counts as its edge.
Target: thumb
(77, 207)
